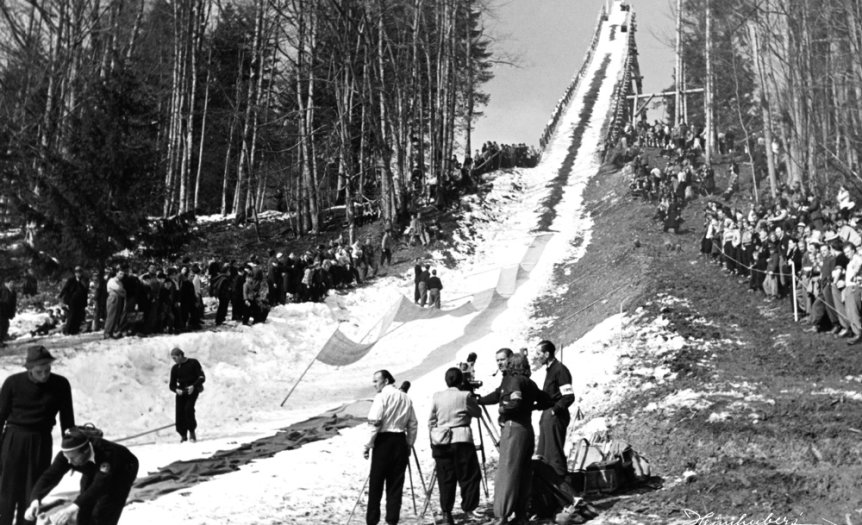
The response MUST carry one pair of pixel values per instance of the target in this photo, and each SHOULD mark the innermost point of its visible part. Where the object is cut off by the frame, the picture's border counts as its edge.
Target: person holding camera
(107, 473)
(187, 382)
(517, 396)
(393, 432)
(452, 412)
(555, 419)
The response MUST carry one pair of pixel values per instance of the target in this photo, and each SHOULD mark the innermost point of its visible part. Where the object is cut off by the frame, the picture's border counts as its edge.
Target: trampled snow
(122, 385)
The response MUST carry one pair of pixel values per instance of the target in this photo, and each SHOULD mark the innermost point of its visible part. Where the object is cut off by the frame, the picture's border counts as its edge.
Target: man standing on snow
(221, 289)
(74, 296)
(423, 285)
(393, 432)
(8, 304)
(115, 304)
(434, 287)
(386, 248)
(29, 404)
(554, 420)
(187, 380)
(107, 473)
(417, 277)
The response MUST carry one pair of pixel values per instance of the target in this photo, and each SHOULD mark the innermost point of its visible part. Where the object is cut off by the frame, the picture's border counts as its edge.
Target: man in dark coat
(237, 300)
(417, 276)
(434, 287)
(31, 285)
(107, 473)
(8, 304)
(187, 380)
(100, 299)
(132, 285)
(29, 404)
(74, 296)
(555, 420)
(274, 281)
(221, 289)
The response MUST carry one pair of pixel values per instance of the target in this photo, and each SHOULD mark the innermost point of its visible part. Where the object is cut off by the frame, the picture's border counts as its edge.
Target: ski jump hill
(325, 354)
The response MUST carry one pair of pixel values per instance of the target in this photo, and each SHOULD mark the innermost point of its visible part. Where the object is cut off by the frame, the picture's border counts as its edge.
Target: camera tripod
(484, 419)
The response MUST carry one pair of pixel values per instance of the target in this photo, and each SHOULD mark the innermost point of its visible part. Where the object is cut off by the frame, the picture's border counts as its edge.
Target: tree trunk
(767, 115)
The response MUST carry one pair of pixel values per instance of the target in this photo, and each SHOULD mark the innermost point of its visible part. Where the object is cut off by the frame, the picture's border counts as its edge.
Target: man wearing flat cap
(107, 473)
(29, 404)
(187, 381)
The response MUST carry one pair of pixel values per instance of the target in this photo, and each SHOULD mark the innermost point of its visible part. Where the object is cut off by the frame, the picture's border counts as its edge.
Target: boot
(183, 438)
(448, 519)
(192, 436)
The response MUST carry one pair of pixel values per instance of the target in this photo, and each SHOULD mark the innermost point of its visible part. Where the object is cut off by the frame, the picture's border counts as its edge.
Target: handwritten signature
(711, 518)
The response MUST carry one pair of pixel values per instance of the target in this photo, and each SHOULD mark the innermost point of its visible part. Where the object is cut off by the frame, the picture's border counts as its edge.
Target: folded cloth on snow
(184, 474)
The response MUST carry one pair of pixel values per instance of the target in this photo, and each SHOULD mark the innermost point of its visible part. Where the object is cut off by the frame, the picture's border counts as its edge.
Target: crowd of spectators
(494, 156)
(797, 247)
(125, 299)
(679, 182)
(682, 140)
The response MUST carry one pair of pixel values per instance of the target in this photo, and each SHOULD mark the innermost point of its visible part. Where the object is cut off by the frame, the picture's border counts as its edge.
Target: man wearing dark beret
(107, 473)
(29, 404)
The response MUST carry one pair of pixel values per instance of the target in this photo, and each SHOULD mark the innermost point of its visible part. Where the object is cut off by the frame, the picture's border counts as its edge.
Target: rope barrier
(127, 438)
(618, 288)
(750, 268)
(819, 297)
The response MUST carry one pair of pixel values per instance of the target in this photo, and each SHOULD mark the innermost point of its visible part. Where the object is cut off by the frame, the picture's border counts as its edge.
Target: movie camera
(470, 382)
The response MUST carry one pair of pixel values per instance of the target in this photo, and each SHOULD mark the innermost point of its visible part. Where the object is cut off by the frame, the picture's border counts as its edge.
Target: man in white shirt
(393, 432)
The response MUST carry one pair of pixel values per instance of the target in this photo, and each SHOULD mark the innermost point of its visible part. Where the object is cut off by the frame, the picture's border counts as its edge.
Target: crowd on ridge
(799, 246)
(128, 300)
(493, 156)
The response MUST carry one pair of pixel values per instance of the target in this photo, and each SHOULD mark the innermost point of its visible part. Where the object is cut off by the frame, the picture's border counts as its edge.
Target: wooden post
(793, 279)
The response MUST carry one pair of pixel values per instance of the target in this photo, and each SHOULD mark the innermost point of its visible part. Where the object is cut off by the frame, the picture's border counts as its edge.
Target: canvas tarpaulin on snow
(341, 350)
(184, 474)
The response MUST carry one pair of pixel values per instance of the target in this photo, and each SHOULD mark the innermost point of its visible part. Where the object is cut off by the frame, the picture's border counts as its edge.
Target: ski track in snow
(123, 387)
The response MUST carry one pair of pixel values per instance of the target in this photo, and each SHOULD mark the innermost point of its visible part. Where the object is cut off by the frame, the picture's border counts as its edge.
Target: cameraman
(452, 412)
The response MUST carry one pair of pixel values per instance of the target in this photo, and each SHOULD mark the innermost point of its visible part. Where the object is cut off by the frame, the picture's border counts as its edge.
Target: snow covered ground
(122, 385)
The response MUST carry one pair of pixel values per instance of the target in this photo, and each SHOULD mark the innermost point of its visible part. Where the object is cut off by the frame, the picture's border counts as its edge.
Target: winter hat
(73, 440)
(37, 355)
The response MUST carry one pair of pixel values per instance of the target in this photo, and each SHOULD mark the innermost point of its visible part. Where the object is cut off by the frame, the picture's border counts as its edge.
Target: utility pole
(679, 72)
(709, 106)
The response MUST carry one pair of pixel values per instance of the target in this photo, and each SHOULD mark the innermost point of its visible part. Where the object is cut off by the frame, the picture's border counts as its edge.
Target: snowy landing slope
(123, 386)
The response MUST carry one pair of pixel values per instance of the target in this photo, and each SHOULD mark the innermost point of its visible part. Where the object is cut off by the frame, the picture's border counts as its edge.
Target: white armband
(567, 390)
